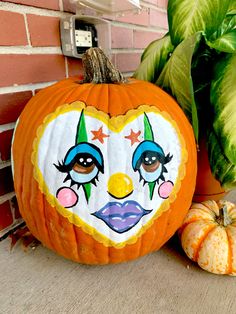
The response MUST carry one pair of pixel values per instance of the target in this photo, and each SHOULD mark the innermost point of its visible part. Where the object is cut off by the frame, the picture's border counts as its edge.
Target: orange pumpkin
(208, 236)
(104, 171)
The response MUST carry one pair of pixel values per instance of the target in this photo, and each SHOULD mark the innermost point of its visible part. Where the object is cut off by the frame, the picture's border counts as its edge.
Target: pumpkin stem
(99, 69)
(223, 218)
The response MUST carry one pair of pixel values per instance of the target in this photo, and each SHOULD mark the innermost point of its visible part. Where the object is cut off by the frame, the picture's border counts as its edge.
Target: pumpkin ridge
(200, 242)
(193, 220)
(230, 253)
(76, 241)
(209, 206)
(165, 223)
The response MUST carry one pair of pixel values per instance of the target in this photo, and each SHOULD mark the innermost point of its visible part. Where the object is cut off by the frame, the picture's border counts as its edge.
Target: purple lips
(121, 217)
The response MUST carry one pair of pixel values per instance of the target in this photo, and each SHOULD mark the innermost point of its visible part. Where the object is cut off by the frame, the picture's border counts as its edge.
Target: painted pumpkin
(208, 236)
(104, 171)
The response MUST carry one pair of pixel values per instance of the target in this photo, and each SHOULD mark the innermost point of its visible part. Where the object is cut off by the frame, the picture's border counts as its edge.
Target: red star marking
(99, 135)
(133, 137)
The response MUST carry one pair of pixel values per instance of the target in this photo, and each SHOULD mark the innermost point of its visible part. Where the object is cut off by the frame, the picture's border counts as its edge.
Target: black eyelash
(95, 180)
(161, 177)
(62, 167)
(67, 168)
(167, 159)
(164, 159)
(68, 177)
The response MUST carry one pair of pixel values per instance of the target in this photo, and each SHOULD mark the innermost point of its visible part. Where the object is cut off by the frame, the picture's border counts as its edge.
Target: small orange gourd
(104, 170)
(208, 236)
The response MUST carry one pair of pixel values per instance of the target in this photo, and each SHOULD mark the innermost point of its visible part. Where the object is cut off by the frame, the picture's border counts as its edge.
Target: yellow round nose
(120, 185)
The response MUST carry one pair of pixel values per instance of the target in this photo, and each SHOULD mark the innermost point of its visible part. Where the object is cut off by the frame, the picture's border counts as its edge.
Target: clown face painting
(110, 176)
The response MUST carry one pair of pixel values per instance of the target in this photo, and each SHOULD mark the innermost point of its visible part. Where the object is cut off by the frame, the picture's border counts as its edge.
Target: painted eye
(149, 160)
(149, 166)
(84, 169)
(82, 163)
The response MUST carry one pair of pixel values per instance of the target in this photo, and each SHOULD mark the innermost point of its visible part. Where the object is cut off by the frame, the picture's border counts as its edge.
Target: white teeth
(116, 218)
(123, 219)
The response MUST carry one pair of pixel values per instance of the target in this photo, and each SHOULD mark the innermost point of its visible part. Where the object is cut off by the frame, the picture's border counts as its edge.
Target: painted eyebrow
(143, 147)
(83, 148)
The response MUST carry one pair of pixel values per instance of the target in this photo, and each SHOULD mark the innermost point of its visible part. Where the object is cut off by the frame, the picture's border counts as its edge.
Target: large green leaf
(225, 43)
(176, 77)
(223, 101)
(222, 169)
(224, 39)
(232, 7)
(187, 17)
(153, 59)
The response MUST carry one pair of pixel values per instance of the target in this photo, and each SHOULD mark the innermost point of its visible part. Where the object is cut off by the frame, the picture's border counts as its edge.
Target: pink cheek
(67, 197)
(165, 189)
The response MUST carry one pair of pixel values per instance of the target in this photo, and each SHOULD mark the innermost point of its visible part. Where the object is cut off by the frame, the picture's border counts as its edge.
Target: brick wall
(31, 59)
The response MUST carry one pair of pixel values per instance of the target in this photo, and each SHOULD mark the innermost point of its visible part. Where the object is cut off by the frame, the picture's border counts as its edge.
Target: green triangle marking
(151, 186)
(148, 136)
(87, 190)
(81, 134)
(148, 133)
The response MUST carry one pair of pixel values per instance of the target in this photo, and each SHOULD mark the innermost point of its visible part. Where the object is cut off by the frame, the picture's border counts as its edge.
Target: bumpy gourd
(104, 170)
(208, 236)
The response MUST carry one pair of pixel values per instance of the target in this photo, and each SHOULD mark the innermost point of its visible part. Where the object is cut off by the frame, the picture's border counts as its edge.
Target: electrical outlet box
(83, 38)
(78, 33)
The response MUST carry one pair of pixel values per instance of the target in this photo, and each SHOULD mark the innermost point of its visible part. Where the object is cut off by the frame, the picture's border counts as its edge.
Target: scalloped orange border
(116, 124)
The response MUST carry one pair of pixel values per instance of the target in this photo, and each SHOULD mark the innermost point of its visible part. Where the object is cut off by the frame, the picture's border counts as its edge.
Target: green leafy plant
(195, 62)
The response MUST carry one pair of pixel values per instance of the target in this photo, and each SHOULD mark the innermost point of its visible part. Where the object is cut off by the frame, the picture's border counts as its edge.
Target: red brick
(12, 104)
(162, 3)
(6, 181)
(47, 4)
(6, 218)
(142, 38)
(127, 62)
(68, 6)
(158, 19)
(25, 69)
(5, 145)
(121, 37)
(15, 208)
(12, 30)
(44, 30)
(133, 18)
(75, 67)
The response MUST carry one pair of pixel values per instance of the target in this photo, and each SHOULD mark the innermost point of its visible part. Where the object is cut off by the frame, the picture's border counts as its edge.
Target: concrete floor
(39, 281)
